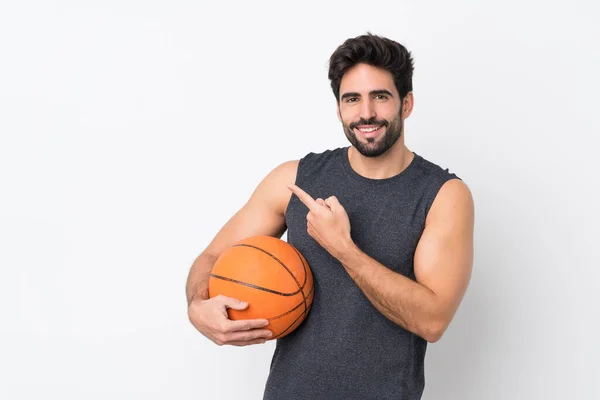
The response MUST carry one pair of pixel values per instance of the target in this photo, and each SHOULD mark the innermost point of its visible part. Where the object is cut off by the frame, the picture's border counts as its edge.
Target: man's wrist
(348, 252)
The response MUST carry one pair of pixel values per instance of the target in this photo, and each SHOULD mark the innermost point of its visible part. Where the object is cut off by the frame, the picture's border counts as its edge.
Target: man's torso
(345, 348)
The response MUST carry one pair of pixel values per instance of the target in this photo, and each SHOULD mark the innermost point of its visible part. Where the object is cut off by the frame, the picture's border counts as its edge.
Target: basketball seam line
(300, 288)
(292, 324)
(252, 286)
(305, 278)
(294, 308)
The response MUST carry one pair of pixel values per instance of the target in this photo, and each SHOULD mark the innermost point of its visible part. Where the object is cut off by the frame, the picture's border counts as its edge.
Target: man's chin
(371, 149)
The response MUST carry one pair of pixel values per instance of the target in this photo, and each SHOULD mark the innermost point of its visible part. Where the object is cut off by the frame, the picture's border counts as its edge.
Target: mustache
(370, 121)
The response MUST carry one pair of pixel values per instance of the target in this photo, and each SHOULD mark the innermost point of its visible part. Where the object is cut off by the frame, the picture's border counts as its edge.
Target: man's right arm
(263, 214)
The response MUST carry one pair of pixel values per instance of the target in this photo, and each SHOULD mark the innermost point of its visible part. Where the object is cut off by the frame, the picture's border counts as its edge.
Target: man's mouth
(369, 130)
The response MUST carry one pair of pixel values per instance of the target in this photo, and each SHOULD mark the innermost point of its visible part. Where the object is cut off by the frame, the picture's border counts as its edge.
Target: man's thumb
(234, 304)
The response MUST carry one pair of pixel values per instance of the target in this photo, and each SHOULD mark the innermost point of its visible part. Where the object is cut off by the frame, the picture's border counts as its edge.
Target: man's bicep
(262, 214)
(444, 255)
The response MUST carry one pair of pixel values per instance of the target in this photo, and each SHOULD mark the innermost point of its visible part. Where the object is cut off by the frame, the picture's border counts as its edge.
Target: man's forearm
(197, 282)
(402, 300)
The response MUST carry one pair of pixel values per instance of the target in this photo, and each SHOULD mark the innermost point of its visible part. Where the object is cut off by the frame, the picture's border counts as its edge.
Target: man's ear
(408, 104)
(338, 111)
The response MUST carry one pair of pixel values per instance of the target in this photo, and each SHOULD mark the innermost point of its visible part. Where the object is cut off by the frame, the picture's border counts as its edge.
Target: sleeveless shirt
(346, 349)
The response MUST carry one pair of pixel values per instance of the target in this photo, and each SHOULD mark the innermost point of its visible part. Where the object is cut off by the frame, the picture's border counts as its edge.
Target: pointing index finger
(304, 197)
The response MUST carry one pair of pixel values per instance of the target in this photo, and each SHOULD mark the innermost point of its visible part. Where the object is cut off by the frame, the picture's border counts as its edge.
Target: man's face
(370, 109)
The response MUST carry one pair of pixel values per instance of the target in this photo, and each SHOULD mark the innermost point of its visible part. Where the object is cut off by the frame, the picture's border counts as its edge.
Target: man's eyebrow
(350, 94)
(381, 91)
(372, 93)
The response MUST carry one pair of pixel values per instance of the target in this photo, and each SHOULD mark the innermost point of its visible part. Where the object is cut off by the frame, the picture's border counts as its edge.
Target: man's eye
(351, 99)
(381, 97)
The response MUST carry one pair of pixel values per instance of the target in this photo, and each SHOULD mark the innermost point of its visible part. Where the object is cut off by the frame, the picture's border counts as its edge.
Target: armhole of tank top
(297, 182)
(434, 190)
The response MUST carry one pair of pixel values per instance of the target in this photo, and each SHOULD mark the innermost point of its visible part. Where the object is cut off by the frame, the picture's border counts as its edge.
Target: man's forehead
(364, 78)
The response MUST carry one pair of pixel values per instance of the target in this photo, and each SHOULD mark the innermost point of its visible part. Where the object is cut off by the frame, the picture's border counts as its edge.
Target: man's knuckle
(222, 338)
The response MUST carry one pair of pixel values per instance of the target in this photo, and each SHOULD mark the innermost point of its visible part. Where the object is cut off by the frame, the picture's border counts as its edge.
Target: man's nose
(367, 109)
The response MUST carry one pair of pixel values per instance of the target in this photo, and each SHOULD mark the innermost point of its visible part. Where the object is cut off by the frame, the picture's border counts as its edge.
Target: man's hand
(327, 222)
(211, 319)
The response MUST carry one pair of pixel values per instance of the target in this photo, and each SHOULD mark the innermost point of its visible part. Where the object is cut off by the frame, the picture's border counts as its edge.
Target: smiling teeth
(366, 130)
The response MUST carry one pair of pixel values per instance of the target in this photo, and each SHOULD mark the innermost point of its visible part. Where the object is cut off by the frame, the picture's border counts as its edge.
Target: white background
(131, 131)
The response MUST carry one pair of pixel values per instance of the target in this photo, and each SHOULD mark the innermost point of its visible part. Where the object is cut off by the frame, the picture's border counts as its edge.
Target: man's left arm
(442, 264)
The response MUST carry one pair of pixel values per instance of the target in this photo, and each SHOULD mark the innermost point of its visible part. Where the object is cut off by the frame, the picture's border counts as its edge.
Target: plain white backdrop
(132, 130)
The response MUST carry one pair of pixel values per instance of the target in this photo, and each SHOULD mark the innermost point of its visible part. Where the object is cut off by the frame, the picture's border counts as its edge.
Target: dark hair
(376, 51)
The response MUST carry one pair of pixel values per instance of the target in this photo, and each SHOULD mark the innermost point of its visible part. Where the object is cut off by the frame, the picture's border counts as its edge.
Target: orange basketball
(271, 276)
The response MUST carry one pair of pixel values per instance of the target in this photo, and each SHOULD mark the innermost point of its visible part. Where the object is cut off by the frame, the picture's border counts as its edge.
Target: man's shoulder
(439, 183)
(284, 172)
(317, 160)
(433, 169)
(445, 187)
(309, 157)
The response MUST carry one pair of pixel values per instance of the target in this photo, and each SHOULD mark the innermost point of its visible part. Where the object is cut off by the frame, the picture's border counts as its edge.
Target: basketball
(271, 276)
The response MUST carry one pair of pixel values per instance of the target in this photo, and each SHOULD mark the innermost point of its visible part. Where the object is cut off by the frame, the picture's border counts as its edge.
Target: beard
(375, 147)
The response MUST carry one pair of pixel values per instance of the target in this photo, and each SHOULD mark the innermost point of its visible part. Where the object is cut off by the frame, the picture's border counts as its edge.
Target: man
(388, 236)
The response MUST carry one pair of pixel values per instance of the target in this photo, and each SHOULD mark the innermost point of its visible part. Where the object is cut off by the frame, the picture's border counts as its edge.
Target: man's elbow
(434, 331)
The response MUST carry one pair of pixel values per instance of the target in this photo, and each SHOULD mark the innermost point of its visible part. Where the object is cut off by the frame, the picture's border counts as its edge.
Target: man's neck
(389, 164)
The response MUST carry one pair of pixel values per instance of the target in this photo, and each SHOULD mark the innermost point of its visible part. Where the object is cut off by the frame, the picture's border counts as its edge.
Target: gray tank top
(346, 349)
